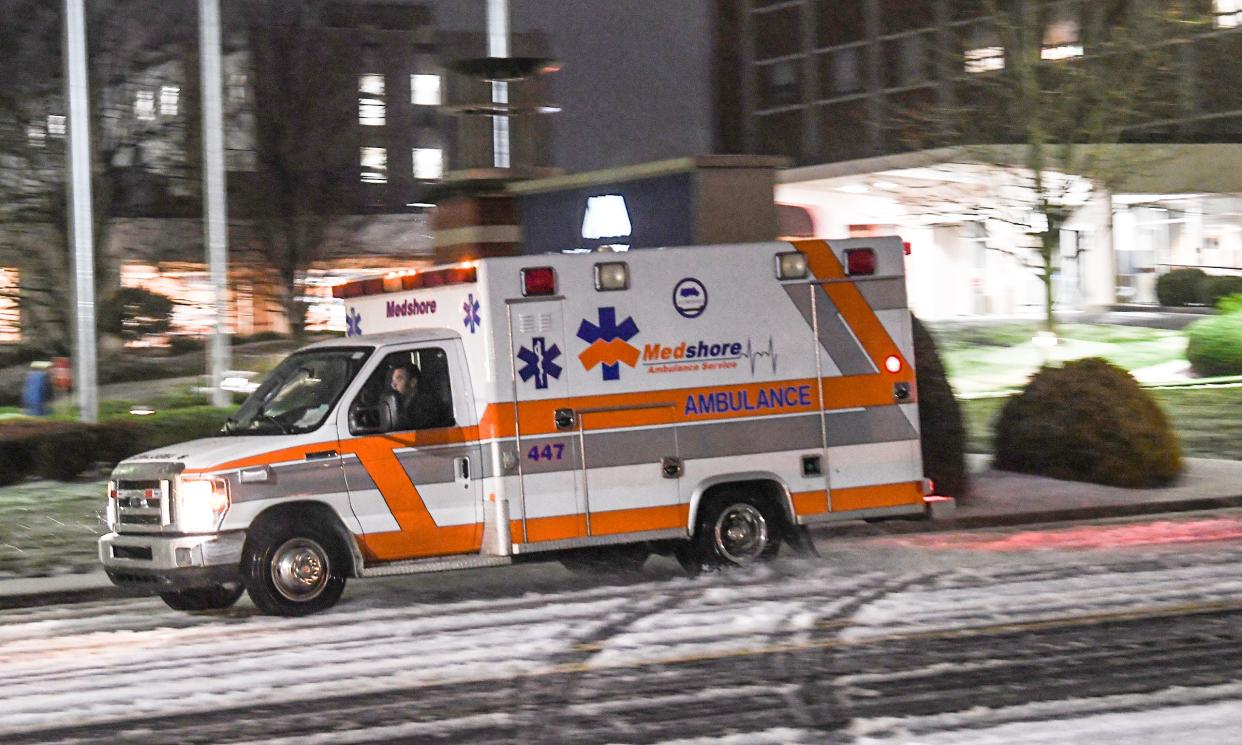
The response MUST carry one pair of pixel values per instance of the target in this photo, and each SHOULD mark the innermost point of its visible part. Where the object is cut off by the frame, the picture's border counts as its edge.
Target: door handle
(563, 419)
(463, 468)
(322, 454)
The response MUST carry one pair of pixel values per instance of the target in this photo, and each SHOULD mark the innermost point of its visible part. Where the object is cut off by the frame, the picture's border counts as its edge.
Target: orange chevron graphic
(609, 353)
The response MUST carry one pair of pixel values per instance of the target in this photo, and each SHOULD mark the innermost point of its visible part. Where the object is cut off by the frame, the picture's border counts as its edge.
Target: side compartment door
(412, 466)
(550, 505)
(631, 469)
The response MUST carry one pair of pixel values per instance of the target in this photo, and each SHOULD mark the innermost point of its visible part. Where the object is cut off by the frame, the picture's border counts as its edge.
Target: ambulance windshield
(298, 395)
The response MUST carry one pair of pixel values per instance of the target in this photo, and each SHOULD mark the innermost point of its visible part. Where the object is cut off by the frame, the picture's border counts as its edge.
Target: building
(350, 110)
(836, 86)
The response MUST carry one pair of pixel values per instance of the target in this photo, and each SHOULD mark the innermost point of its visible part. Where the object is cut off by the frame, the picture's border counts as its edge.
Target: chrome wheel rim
(741, 533)
(300, 569)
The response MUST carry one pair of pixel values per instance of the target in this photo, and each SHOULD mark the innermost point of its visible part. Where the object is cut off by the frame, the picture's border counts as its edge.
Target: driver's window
(409, 390)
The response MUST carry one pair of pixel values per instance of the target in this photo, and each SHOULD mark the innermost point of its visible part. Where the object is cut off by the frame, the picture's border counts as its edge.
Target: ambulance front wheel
(293, 571)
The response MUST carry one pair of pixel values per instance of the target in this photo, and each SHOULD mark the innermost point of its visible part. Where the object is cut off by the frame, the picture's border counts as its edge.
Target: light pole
(215, 222)
(80, 215)
(498, 46)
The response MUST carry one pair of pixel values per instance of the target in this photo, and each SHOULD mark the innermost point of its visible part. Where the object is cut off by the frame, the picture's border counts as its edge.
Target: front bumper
(172, 562)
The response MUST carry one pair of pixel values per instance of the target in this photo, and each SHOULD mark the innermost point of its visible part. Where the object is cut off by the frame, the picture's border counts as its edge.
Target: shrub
(1215, 288)
(1214, 345)
(940, 419)
(1181, 287)
(62, 450)
(135, 312)
(1087, 421)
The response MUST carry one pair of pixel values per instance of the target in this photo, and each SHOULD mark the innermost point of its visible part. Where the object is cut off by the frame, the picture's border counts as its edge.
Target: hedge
(62, 450)
(1214, 345)
(1181, 287)
(1216, 288)
(942, 431)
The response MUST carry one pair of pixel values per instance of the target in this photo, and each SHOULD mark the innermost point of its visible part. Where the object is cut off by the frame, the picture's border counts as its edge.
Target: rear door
(551, 504)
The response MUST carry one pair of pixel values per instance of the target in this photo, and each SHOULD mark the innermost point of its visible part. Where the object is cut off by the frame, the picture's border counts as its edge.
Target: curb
(68, 596)
(1093, 512)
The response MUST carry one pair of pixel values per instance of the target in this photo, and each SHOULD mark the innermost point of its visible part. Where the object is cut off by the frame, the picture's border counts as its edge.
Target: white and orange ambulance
(707, 401)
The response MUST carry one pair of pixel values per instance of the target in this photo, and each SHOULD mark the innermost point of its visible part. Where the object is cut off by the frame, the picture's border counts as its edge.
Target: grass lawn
(1208, 420)
(47, 527)
(997, 357)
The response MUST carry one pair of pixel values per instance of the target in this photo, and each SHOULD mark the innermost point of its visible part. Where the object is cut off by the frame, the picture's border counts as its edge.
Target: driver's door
(416, 489)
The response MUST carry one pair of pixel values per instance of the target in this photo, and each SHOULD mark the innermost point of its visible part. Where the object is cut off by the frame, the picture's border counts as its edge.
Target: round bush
(1216, 288)
(940, 419)
(1087, 421)
(1181, 287)
(1214, 345)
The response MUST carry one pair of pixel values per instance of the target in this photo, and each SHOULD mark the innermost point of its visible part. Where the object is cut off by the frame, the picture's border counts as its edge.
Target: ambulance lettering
(410, 307)
(693, 356)
(764, 399)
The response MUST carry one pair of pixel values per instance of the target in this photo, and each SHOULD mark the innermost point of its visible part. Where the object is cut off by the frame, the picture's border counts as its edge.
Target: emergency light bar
(408, 280)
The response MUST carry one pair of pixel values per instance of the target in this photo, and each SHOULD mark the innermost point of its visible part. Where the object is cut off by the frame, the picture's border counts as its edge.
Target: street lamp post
(80, 215)
(215, 229)
(498, 46)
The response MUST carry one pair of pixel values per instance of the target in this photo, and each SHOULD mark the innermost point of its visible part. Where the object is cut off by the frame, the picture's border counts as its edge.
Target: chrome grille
(142, 506)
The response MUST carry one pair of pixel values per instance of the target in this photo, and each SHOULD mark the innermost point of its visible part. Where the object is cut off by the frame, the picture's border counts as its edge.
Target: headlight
(110, 509)
(201, 503)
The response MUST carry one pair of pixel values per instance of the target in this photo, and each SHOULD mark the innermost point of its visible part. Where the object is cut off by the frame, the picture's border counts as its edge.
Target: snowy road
(1125, 632)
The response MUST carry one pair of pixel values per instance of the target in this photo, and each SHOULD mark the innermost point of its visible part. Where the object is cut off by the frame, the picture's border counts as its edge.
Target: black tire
(293, 570)
(617, 560)
(733, 529)
(217, 597)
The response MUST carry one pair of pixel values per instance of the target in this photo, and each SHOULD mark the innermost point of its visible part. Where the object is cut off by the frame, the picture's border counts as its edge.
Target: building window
(170, 98)
(35, 135)
(912, 61)
(371, 109)
(985, 59)
(780, 84)
(847, 74)
(10, 313)
(428, 163)
(56, 125)
(1228, 13)
(144, 105)
(425, 90)
(1061, 40)
(374, 165)
(237, 88)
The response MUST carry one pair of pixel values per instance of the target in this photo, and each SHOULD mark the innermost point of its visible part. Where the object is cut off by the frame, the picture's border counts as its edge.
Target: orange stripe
(872, 497)
(640, 519)
(810, 502)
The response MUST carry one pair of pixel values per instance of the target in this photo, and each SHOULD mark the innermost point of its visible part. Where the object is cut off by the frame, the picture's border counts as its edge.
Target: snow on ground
(100, 662)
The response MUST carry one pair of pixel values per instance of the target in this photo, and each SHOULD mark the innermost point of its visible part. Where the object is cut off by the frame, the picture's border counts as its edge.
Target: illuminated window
(428, 163)
(237, 88)
(170, 97)
(56, 125)
(374, 165)
(10, 314)
(1228, 13)
(372, 111)
(606, 216)
(985, 59)
(1061, 40)
(144, 105)
(35, 135)
(425, 90)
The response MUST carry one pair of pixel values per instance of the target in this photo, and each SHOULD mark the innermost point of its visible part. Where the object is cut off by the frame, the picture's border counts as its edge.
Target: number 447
(553, 451)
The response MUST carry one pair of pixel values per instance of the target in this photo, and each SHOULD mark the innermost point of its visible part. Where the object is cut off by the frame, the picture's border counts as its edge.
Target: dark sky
(636, 85)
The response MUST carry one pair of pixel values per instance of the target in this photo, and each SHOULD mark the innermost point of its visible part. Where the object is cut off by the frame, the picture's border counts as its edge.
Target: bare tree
(298, 76)
(131, 43)
(1049, 90)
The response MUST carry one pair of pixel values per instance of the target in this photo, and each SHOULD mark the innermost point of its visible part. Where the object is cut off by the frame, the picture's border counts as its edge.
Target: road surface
(1111, 632)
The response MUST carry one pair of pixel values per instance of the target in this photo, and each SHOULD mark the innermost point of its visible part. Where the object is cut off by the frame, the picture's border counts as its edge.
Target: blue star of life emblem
(353, 323)
(540, 362)
(471, 309)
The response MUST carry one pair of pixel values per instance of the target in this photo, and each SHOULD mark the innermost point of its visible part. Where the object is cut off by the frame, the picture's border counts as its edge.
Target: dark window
(844, 71)
(409, 390)
(780, 85)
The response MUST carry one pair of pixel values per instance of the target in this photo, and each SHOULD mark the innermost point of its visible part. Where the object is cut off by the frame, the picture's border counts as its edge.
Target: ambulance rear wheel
(216, 597)
(734, 530)
(294, 571)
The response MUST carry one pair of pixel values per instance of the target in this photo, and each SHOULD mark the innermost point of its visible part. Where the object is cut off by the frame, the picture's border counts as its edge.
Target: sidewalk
(999, 498)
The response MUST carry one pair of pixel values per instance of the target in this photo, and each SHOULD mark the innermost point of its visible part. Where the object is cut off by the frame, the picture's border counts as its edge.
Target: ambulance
(708, 402)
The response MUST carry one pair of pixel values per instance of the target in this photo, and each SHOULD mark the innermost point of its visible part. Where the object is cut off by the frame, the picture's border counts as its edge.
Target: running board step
(422, 566)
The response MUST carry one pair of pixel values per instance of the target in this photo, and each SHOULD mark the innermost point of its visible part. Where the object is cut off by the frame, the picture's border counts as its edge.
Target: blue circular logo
(690, 298)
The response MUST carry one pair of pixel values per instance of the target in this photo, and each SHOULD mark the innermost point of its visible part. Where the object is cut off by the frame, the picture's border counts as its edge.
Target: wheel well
(315, 513)
(767, 491)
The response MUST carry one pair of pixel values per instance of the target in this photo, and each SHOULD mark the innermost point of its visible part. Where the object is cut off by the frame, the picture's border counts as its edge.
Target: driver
(405, 404)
